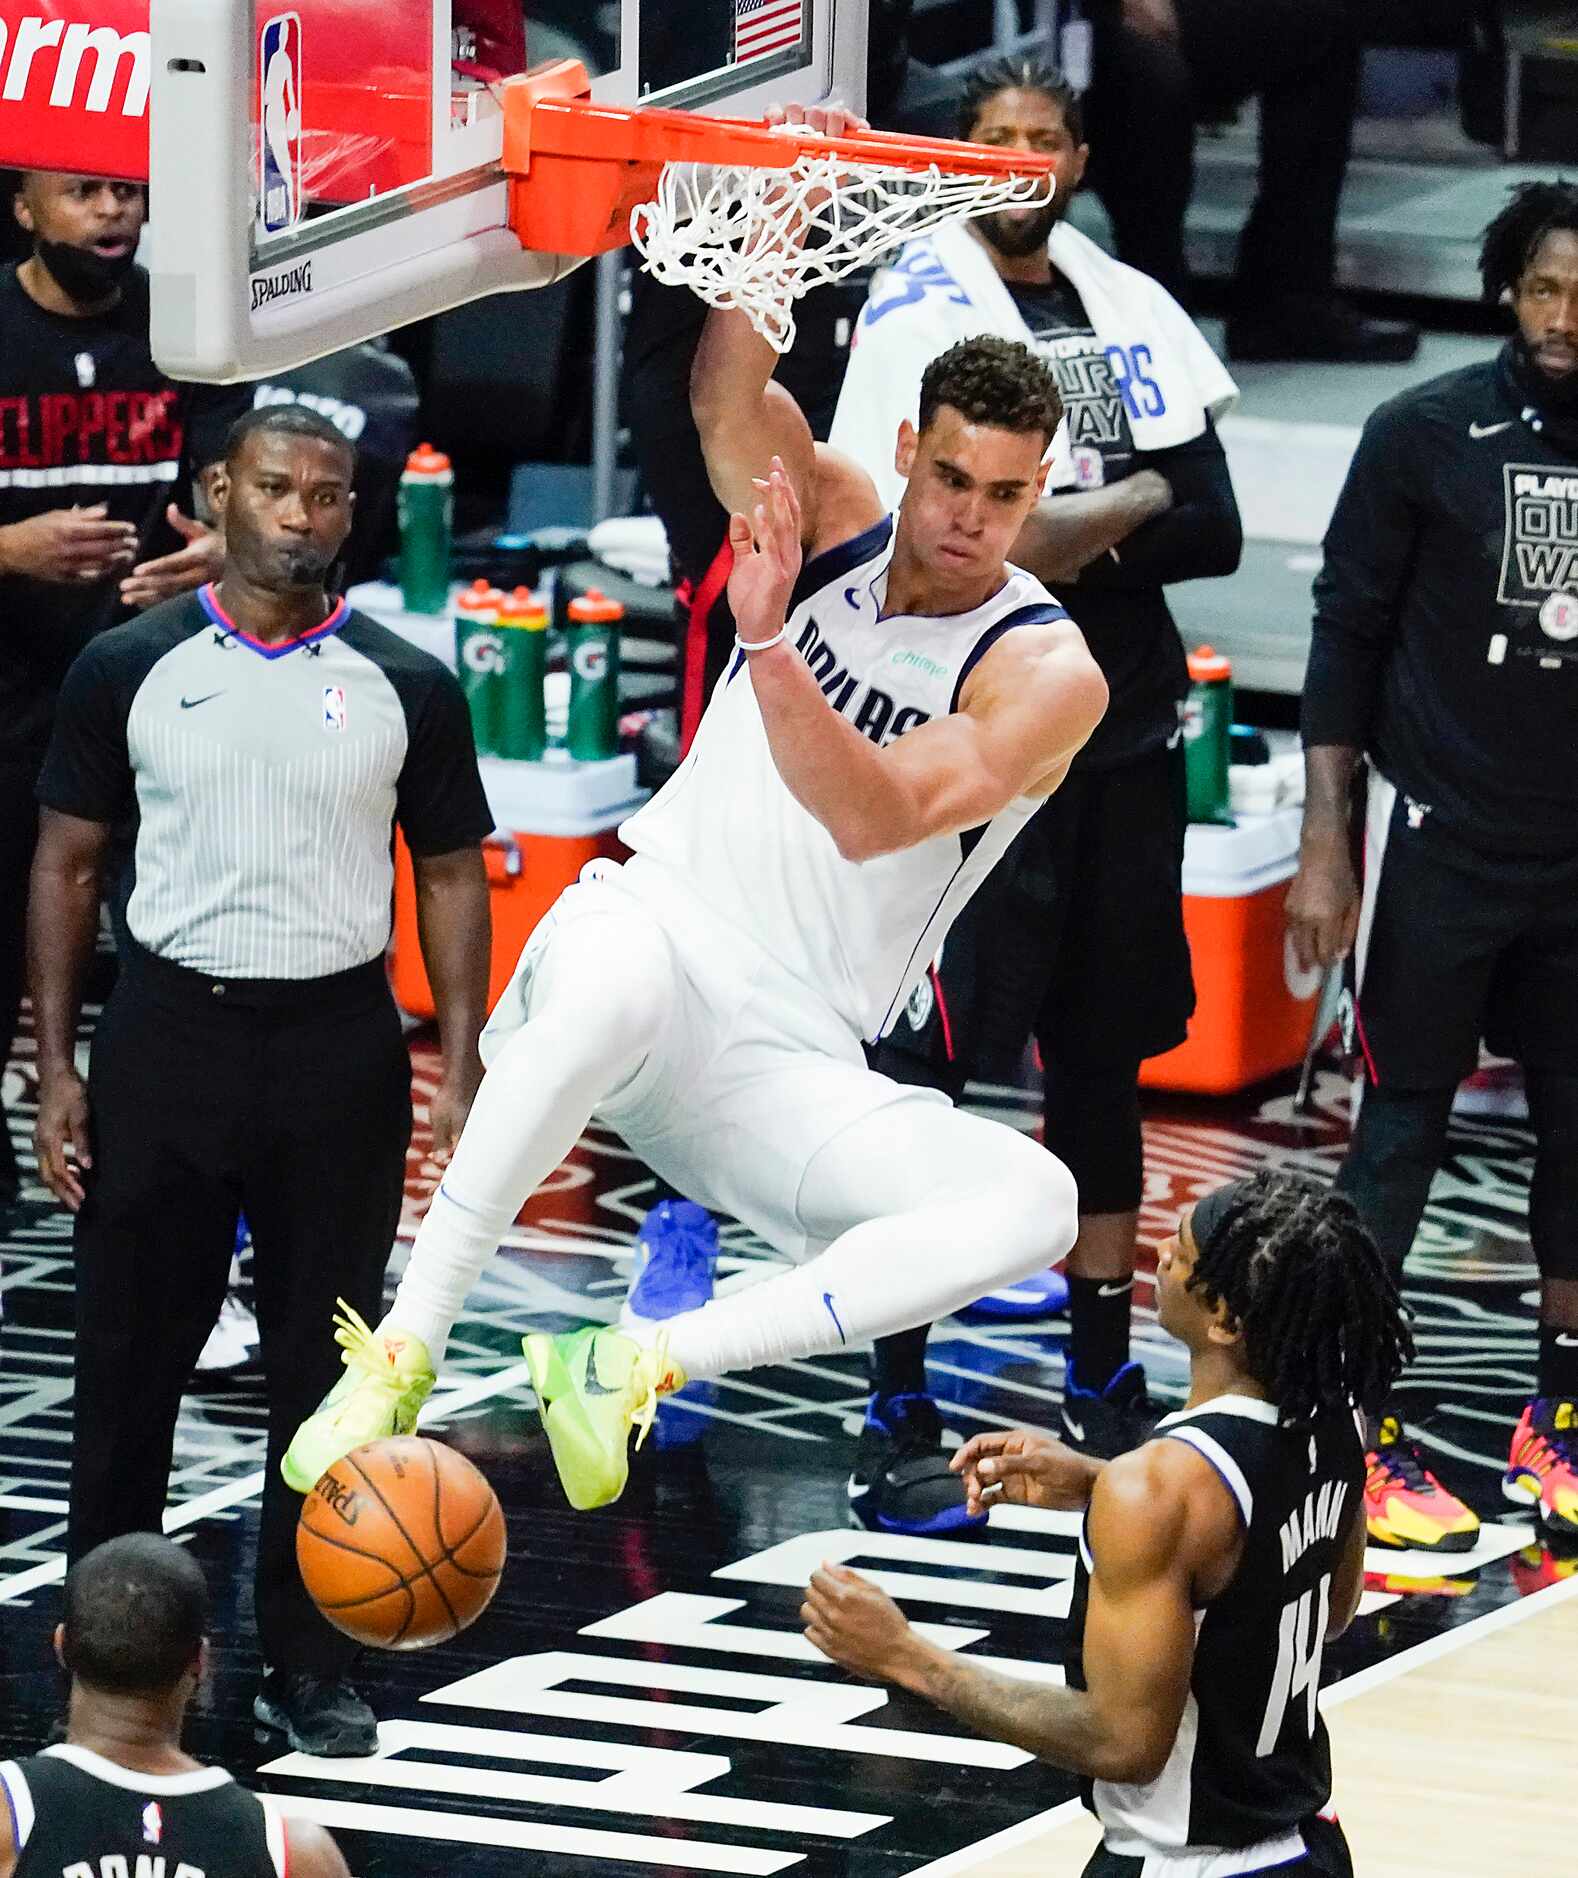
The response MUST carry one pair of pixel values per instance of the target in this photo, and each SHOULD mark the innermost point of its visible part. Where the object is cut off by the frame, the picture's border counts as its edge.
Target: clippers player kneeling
(1215, 1561)
(117, 1798)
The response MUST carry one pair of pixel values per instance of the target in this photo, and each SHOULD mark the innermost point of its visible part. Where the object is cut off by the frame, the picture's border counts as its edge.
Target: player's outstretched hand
(1022, 1466)
(855, 1624)
(767, 557)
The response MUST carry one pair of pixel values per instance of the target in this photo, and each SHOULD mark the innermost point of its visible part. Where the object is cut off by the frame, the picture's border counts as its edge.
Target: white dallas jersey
(860, 934)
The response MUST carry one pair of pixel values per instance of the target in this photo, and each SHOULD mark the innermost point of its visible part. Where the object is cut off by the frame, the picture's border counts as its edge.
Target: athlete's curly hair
(993, 381)
(1322, 1322)
(1020, 71)
(1512, 239)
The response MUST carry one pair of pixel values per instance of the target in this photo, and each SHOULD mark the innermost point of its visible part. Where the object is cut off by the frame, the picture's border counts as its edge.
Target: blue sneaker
(1042, 1294)
(675, 1257)
(1105, 1423)
(901, 1481)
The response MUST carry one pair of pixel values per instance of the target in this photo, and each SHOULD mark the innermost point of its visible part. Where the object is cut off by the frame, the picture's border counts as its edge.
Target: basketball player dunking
(118, 1795)
(1214, 1561)
(899, 703)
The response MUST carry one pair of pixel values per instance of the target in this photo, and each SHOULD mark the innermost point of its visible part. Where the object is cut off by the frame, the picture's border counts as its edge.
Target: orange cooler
(1253, 1006)
(551, 818)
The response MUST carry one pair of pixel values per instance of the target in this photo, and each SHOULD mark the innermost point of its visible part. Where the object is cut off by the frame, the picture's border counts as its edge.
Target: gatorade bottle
(592, 639)
(479, 660)
(426, 509)
(1208, 736)
(520, 722)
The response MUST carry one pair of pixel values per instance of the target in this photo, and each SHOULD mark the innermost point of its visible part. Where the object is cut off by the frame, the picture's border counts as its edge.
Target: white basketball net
(757, 239)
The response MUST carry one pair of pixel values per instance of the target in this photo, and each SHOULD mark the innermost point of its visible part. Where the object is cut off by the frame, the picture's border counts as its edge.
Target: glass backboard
(322, 171)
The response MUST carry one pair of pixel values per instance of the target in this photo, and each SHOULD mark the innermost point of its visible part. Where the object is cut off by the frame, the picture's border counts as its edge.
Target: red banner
(74, 80)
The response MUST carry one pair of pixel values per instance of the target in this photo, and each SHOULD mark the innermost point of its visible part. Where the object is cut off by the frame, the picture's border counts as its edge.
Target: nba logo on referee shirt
(334, 707)
(279, 122)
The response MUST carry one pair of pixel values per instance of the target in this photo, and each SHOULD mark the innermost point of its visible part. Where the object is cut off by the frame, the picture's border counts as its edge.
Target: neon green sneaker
(593, 1386)
(387, 1379)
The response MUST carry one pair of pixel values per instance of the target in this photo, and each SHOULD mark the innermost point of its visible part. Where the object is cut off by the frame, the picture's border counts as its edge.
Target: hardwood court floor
(1460, 1766)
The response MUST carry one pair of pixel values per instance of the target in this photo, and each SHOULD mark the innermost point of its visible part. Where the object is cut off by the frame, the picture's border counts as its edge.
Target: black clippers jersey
(76, 1815)
(1252, 1758)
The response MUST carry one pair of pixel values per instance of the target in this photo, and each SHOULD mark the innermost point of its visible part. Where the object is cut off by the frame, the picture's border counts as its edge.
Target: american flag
(764, 26)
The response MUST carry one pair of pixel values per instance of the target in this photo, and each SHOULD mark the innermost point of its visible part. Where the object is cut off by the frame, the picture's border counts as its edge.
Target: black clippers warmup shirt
(1118, 602)
(1446, 613)
(75, 1813)
(86, 417)
(1252, 1758)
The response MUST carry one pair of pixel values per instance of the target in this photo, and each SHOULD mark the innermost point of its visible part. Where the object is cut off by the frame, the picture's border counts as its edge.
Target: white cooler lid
(1230, 863)
(559, 796)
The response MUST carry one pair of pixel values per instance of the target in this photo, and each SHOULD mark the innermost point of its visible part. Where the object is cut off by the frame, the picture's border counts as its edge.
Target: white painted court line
(1448, 1642)
(234, 1492)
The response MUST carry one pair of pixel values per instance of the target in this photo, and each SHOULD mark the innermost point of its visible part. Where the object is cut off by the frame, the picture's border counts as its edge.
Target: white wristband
(761, 645)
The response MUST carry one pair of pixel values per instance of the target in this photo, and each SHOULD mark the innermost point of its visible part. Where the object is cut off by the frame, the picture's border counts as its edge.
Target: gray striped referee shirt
(265, 782)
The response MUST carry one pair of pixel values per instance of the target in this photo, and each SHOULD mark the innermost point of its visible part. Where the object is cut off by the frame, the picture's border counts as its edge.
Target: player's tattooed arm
(1152, 1535)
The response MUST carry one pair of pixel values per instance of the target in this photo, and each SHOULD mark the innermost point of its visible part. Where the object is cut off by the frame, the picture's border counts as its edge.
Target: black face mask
(82, 273)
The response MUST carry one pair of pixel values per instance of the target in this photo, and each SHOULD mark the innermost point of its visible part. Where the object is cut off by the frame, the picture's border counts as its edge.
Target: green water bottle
(1208, 736)
(592, 640)
(521, 723)
(479, 661)
(426, 509)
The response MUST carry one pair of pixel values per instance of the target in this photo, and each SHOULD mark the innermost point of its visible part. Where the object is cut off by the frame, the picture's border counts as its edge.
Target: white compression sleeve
(597, 1003)
(932, 1208)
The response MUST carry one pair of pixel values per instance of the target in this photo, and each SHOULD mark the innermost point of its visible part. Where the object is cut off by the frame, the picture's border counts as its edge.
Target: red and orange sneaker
(1543, 1464)
(1405, 1505)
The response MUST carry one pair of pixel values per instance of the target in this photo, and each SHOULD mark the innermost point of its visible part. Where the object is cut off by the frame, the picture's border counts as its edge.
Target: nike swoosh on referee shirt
(1477, 431)
(190, 704)
(1076, 1429)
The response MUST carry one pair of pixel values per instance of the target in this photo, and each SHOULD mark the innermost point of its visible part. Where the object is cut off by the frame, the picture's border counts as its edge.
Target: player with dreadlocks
(1444, 642)
(1214, 1561)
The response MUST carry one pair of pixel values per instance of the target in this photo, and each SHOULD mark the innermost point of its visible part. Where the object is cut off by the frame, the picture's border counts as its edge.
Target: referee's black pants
(291, 1100)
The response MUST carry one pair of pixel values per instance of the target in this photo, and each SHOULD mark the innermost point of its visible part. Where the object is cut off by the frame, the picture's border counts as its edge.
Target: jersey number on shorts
(1299, 1644)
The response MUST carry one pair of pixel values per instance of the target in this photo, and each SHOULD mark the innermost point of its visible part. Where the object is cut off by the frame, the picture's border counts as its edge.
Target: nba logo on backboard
(279, 123)
(334, 707)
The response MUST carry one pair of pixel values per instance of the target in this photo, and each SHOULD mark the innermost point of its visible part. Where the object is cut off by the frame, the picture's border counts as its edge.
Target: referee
(1446, 650)
(267, 739)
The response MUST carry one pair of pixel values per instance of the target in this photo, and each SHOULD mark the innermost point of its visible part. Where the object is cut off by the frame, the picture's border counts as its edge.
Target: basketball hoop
(744, 214)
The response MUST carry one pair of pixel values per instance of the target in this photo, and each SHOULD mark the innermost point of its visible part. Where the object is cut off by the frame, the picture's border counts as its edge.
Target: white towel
(944, 288)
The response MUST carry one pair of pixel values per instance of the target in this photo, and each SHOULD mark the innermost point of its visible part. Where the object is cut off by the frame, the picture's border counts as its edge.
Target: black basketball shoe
(1108, 1422)
(901, 1481)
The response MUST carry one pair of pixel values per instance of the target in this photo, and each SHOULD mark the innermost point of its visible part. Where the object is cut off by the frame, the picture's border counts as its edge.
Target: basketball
(401, 1544)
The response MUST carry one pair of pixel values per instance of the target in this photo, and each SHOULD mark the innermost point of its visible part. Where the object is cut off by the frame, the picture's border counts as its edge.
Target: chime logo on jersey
(279, 114)
(152, 1823)
(1540, 555)
(334, 707)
